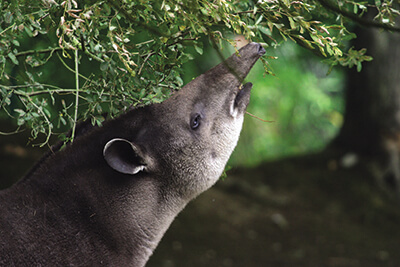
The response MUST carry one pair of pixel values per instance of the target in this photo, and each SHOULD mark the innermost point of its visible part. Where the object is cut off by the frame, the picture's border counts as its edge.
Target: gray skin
(108, 198)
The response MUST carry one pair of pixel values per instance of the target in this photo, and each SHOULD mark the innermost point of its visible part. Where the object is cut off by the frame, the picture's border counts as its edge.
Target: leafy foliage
(62, 61)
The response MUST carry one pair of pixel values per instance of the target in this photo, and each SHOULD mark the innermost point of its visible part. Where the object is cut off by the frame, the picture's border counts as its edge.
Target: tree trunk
(372, 113)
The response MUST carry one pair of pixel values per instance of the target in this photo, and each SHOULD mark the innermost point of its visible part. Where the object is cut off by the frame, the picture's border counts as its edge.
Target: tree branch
(42, 51)
(52, 50)
(368, 23)
(57, 90)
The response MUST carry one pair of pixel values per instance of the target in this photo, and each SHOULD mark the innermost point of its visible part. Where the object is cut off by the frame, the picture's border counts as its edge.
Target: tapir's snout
(260, 48)
(254, 48)
(239, 64)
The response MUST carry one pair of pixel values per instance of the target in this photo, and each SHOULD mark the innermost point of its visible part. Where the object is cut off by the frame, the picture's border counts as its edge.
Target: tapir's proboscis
(107, 198)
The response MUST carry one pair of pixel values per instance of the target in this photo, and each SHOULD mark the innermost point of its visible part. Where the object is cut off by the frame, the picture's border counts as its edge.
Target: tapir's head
(186, 141)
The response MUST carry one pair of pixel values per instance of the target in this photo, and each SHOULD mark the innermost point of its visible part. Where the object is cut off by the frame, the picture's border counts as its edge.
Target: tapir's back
(41, 215)
(35, 231)
(19, 229)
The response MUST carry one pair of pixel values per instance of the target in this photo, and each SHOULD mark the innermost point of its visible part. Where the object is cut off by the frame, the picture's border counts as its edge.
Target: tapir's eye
(195, 121)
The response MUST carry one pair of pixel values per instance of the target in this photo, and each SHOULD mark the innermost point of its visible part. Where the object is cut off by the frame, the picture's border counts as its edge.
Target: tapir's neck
(126, 215)
(138, 223)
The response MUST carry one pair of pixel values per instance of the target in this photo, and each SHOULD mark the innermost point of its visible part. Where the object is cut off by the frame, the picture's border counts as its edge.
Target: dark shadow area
(302, 211)
(16, 156)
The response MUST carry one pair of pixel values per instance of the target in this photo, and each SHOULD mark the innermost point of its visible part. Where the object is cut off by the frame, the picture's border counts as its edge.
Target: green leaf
(47, 112)
(20, 121)
(104, 66)
(359, 66)
(198, 49)
(7, 100)
(20, 112)
(15, 42)
(28, 30)
(13, 58)
(8, 17)
(62, 120)
(179, 81)
(292, 23)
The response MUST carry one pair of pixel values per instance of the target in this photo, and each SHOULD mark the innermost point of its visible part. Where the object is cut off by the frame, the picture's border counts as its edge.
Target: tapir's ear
(123, 156)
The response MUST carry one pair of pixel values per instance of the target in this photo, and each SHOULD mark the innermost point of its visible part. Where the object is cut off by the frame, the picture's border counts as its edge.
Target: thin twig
(258, 118)
(144, 62)
(10, 27)
(59, 90)
(52, 50)
(76, 94)
(41, 51)
(12, 87)
(13, 132)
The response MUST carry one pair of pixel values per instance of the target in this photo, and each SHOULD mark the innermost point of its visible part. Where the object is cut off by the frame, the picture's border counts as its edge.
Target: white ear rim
(138, 169)
(119, 165)
(109, 143)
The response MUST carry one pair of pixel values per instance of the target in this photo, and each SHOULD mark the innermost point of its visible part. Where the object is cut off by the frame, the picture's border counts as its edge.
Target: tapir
(107, 198)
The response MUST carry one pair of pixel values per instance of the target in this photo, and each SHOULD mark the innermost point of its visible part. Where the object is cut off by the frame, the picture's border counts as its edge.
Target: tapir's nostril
(261, 50)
